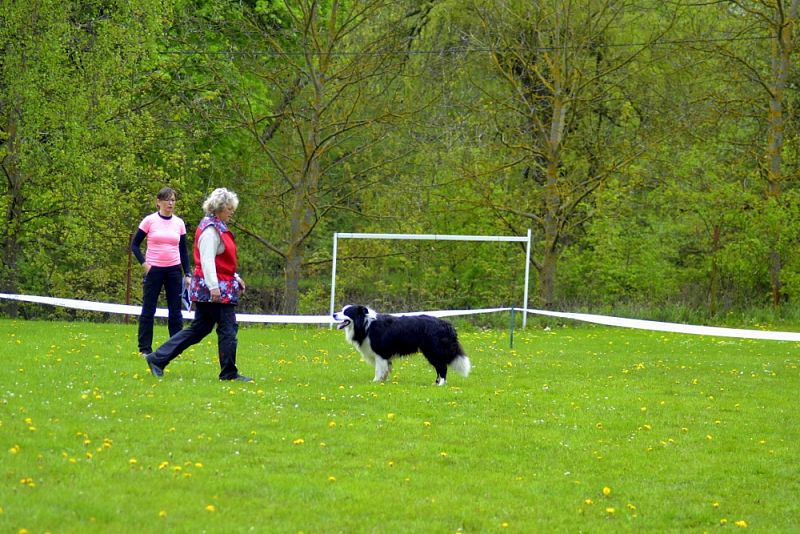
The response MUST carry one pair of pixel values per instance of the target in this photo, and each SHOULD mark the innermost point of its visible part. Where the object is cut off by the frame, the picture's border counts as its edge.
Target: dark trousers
(207, 315)
(171, 279)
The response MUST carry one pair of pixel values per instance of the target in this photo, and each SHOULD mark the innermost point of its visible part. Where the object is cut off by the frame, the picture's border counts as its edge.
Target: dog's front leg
(382, 368)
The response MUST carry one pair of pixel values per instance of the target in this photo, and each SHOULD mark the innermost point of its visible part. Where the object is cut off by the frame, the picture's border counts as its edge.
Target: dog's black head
(355, 320)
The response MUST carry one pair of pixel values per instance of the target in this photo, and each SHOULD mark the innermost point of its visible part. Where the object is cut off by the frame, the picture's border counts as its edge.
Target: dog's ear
(360, 317)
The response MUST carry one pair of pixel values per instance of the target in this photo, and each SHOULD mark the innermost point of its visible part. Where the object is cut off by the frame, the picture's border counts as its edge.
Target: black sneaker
(154, 369)
(240, 378)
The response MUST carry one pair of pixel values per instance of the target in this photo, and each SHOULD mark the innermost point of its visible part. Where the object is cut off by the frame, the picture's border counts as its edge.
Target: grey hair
(218, 199)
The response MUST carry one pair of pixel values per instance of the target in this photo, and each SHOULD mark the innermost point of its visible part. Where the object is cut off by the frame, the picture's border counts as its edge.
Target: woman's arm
(136, 245)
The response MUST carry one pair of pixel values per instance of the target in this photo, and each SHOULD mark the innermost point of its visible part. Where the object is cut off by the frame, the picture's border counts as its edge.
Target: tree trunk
(782, 48)
(291, 288)
(713, 289)
(306, 192)
(552, 204)
(9, 277)
(302, 221)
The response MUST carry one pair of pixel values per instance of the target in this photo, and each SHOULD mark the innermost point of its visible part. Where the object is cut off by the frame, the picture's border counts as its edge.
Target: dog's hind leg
(441, 376)
(436, 361)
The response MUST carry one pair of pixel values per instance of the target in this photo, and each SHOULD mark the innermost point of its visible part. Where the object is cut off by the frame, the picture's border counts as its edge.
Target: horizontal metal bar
(433, 237)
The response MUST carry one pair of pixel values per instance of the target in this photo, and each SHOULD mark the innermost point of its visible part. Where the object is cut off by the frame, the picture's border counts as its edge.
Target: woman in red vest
(215, 290)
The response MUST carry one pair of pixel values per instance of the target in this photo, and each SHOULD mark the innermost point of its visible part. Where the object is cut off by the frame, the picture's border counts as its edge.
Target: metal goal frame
(437, 237)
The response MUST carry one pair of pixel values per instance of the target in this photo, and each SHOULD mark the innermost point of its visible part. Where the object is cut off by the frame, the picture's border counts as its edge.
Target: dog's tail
(461, 365)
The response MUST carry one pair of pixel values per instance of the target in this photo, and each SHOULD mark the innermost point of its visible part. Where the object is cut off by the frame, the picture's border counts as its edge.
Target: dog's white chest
(365, 349)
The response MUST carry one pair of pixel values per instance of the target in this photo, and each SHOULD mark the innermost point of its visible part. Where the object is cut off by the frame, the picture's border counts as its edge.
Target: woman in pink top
(165, 263)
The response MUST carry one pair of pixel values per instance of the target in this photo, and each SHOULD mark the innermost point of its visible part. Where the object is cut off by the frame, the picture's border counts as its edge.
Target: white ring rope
(640, 324)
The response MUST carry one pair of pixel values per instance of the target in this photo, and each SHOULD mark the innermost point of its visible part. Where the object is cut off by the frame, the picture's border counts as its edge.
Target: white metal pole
(333, 272)
(527, 278)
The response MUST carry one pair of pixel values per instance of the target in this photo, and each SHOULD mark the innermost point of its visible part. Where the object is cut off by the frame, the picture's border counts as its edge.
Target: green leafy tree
(561, 120)
(74, 134)
(304, 89)
(761, 58)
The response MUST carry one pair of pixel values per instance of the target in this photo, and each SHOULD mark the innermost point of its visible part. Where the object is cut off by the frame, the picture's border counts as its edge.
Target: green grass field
(578, 429)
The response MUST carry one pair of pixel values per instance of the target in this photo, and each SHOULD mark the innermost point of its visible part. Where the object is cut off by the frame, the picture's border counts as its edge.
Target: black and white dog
(380, 338)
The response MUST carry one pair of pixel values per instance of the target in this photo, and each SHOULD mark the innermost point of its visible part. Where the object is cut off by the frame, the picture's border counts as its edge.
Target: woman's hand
(215, 295)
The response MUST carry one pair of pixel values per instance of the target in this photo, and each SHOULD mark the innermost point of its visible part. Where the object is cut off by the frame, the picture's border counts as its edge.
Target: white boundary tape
(676, 328)
(86, 305)
(640, 324)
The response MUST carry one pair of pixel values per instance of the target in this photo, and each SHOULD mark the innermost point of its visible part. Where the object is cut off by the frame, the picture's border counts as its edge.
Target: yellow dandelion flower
(588, 501)
(133, 461)
(211, 508)
(331, 479)
(332, 424)
(162, 514)
(504, 524)
(299, 441)
(741, 523)
(723, 521)
(610, 510)
(606, 491)
(390, 416)
(426, 424)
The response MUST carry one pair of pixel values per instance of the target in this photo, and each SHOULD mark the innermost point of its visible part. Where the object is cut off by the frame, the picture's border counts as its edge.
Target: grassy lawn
(578, 429)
